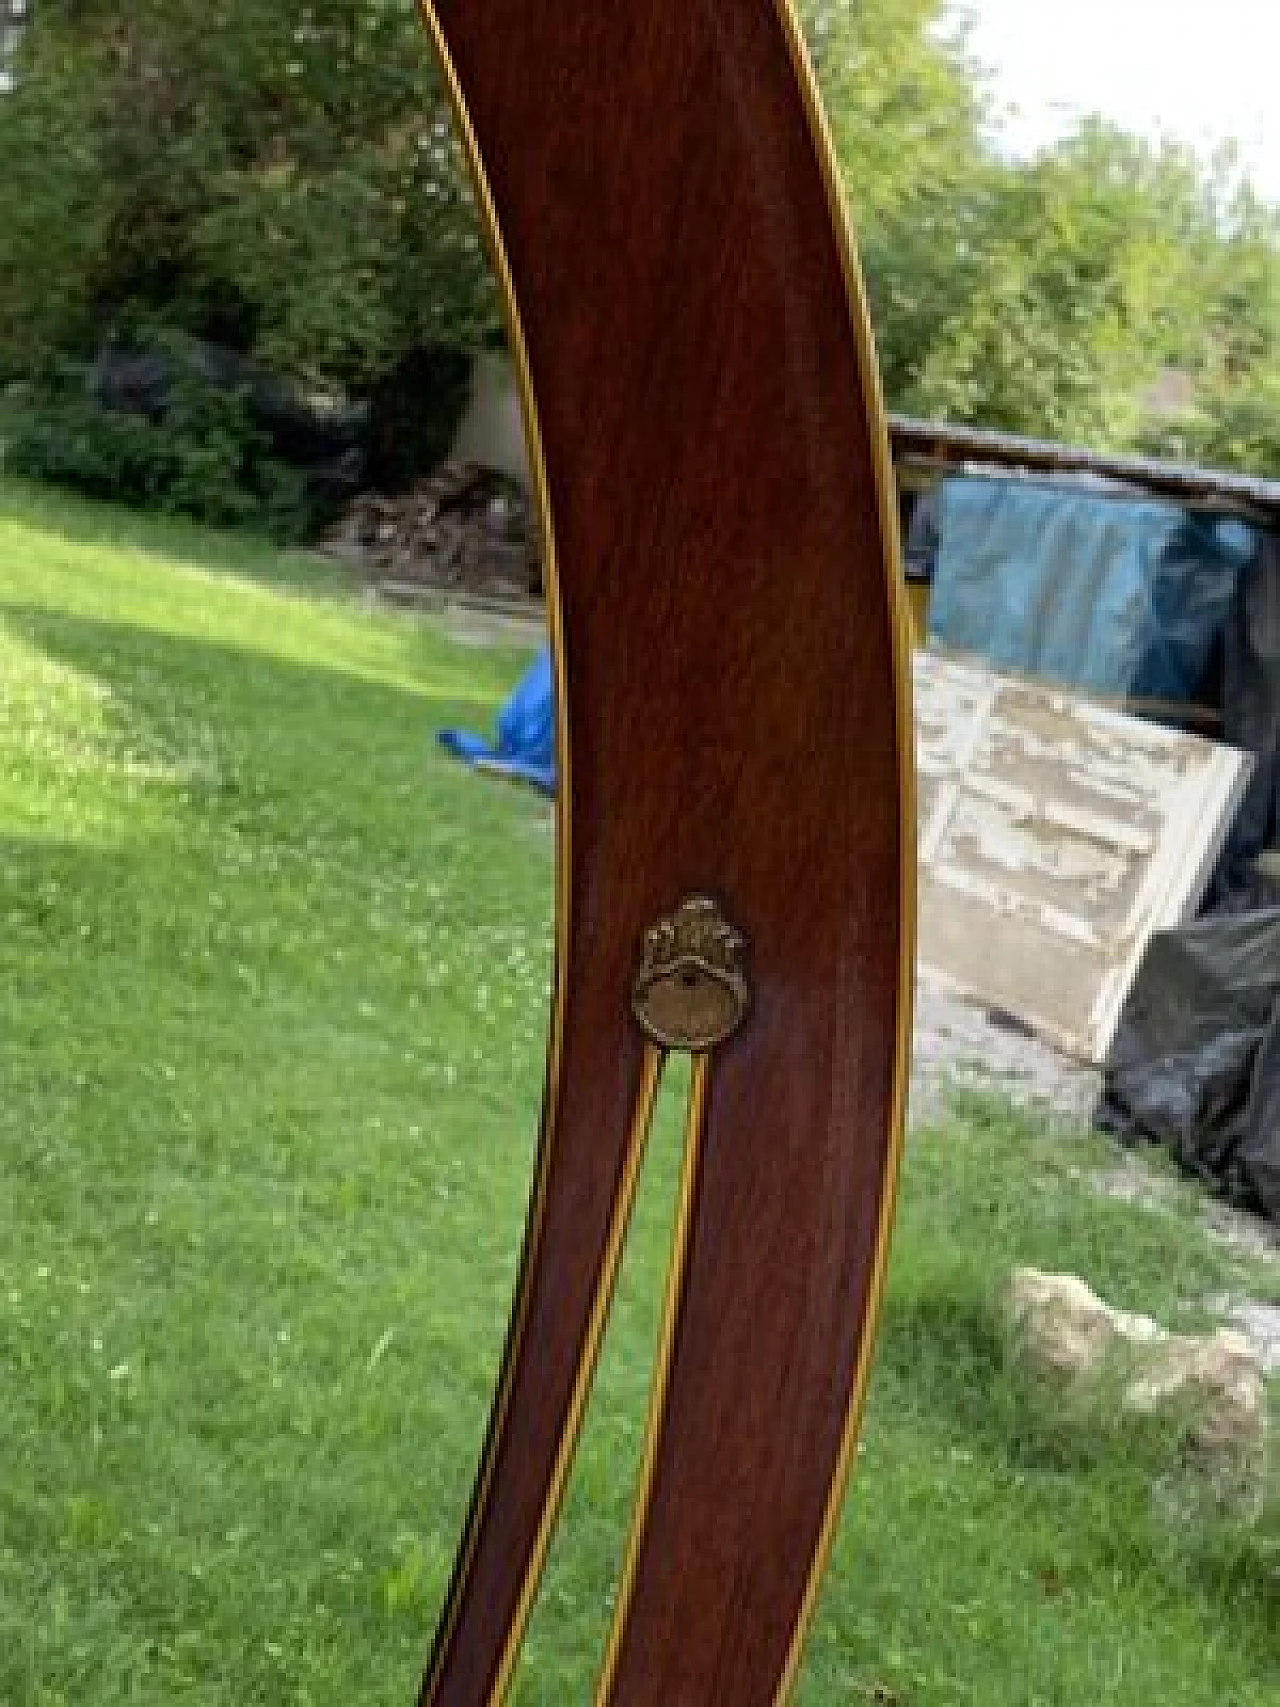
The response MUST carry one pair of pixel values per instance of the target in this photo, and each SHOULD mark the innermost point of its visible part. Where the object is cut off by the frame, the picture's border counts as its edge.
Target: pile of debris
(463, 531)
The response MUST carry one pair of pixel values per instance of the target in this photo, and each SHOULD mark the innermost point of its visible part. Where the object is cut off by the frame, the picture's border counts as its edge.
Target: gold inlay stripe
(695, 1128)
(623, 1204)
(887, 501)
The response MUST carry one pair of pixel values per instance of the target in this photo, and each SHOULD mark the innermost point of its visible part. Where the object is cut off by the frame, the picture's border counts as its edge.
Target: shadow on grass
(168, 691)
(89, 522)
(945, 1358)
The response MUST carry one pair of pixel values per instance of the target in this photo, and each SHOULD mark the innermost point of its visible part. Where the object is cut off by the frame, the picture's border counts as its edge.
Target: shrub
(202, 456)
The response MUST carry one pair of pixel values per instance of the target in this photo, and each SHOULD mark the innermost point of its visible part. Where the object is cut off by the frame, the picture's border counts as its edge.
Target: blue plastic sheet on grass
(524, 744)
(1119, 597)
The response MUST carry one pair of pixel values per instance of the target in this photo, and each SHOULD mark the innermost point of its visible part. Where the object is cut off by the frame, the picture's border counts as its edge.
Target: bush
(279, 180)
(202, 456)
(1227, 429)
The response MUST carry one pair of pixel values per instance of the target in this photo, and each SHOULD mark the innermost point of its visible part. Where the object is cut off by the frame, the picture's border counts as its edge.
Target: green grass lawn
(273, 1006)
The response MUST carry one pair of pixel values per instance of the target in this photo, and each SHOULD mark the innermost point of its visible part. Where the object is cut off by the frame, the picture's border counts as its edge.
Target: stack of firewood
(463, 530)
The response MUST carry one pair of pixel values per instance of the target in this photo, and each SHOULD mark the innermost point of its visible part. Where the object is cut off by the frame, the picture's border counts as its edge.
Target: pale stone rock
(1219, 1379)
(1062, 1328)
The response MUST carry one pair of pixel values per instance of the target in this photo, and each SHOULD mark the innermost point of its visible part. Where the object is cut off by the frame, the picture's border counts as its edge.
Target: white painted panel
(1056, 835)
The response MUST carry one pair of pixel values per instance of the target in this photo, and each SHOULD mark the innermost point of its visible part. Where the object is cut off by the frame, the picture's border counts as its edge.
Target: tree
(1048, 296)
(280, 178)
(906, 107)
(284, 179)
(1088, 277)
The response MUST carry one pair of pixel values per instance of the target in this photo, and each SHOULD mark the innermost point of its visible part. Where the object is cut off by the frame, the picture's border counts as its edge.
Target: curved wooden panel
(714, 479)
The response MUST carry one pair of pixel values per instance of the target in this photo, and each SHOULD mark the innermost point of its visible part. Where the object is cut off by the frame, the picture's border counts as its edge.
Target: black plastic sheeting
(1251, 721)
(1195, 1065)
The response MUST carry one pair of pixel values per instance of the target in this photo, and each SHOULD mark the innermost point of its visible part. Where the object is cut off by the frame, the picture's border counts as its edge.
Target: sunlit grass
(274, 1004)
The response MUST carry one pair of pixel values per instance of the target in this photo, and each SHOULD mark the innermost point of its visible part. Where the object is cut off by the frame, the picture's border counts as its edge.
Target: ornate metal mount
(691, 991)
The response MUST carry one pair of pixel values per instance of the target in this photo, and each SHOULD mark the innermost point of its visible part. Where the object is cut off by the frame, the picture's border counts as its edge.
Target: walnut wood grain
(731, 704)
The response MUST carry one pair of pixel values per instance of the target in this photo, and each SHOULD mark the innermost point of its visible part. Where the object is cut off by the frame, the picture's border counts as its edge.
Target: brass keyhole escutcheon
(691, 992)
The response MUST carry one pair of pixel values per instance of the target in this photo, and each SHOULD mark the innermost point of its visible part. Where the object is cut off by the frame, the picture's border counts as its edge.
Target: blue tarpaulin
(524, 744)
(1116, 596)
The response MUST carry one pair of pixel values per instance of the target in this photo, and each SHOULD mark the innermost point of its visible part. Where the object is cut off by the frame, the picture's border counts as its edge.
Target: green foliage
(905, 106)
(1080, 294)
(1243, 429)
(1233, 429)
(1234, 420)
(282, 179)
(203, 457)
(1045, 297)
(285, 180)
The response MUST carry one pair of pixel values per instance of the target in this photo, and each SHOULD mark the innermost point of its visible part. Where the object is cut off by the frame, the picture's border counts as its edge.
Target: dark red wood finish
(732, 714)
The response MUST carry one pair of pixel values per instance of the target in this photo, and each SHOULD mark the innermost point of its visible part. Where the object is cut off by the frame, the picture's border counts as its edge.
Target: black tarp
(1251, 721)
(1195, 1064)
